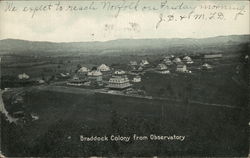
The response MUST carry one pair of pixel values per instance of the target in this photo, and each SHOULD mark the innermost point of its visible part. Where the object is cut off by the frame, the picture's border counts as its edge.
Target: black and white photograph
(124, 78)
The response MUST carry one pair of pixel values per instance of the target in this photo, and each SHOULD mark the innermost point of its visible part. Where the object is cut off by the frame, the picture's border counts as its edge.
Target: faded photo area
(141, 78)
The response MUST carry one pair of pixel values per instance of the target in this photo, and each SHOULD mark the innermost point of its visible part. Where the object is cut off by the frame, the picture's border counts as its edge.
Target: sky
(73, 21)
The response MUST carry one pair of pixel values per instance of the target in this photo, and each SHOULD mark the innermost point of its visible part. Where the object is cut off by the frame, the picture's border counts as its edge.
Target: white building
(167, 57)
(103, 68)
(75, 77)
(64, 75)
(75, 83)
(144, 62)
(246, 57)
(119, 82)
(119, 72)
(140, 68)
(167, 61)
(177, 60)
(213, 56)
(95, 74)
(137, 79)
(181, 68)
(188, 60)
(206, 66)
(133, 63)
(41, 81)
(162, 69)
(137, 69)
(23, 76)
(83, 70)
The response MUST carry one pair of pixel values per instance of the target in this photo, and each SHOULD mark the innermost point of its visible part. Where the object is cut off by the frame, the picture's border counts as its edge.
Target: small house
(75, 77)
(41, 81)
(177, 60)
(119, 82)
(162, 69)
(76, 82)
(64, 75)
(119, 72)
(188, 60)
(137, 69)
(206, 66)
(140, 68)
(167, 61)
(83, 70)
(103, 68)
(167, 57)
(144, 62)
(23, 76)
(133, 63)
(212, 56)
(95, 75)
(137, 79)
(181, 68)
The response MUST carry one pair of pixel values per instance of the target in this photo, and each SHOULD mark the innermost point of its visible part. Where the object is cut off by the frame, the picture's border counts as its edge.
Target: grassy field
(209, 130)
(211, 87)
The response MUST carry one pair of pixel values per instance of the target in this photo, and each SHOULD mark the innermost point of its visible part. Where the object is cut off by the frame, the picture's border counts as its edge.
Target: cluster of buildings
(138, 68)
(181, 64)
(86, 77)
(171, 61)
(120, 80)
(103, 75)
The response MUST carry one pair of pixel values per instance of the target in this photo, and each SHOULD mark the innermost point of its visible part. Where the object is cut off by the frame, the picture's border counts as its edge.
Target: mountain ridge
(119, 46)
(121, 39)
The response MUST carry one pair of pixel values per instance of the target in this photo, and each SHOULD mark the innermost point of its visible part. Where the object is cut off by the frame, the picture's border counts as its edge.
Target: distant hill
(124, 46)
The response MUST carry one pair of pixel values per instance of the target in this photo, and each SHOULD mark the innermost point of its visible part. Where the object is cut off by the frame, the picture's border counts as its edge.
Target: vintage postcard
(124, 78)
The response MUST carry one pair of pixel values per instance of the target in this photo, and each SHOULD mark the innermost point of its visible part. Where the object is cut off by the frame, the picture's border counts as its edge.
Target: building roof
(167, 60)
(162, 67)
(41, 81)
(133, 63)
(217, 55)
(94, 73)
(75, 77)
(140, 68)
(181, 65)
(177, 59)
(206, 65)
(103, 67)
(64, 75)
(144, 62)
(187, 58)
(167, 57)
(120, 72)
(137, 79)
(119, 79)
(83, 69)
(23, 76)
